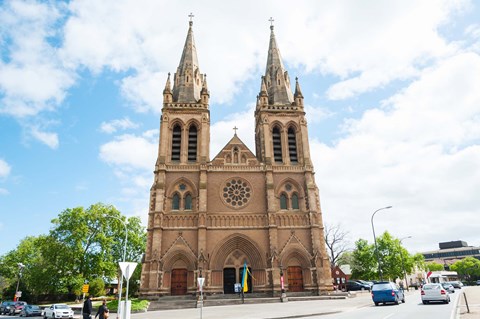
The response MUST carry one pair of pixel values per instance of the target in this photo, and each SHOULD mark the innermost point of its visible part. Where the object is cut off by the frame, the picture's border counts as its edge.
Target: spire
(277, 79)
(168, 86)
(298, 91)
(188, 80)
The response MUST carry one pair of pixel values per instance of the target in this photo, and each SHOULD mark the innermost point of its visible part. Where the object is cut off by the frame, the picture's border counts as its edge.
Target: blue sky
(391, 93)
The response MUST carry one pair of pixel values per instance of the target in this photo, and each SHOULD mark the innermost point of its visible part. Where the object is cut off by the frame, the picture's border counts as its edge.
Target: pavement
(469, 296)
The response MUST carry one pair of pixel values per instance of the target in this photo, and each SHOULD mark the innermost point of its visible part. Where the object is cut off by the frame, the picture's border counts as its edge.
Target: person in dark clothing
(87, 308)
(102, 310)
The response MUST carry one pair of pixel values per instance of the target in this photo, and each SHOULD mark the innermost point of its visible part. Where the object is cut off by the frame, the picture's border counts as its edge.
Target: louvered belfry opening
(192, 144)
(176, 142)
(277, 145)
(292, 145)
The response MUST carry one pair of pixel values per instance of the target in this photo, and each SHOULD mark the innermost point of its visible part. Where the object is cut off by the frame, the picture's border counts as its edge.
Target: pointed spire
(188, 81)
(168, 86)
(298, 91)
(204, 85)
(263, 87)
(277, 79)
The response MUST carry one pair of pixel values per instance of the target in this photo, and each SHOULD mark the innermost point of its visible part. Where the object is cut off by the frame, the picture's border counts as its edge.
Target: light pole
(20, 269)
(124, 255)
(403, 265)
(375, 240)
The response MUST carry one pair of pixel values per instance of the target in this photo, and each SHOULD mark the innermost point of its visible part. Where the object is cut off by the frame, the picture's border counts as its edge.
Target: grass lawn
(137, 305)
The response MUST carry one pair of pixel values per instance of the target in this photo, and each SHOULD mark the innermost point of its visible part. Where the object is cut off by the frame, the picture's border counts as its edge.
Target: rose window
(236, 192)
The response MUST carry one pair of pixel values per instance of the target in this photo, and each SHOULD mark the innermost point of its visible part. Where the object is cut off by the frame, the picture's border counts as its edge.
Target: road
(358, 307)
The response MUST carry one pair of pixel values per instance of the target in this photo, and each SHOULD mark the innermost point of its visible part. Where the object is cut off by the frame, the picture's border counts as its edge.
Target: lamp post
(124, 255)
(20, 269)
(403, 264)
(375, 240)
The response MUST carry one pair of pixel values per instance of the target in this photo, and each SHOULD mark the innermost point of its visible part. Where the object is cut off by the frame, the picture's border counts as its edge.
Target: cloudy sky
(392, 90)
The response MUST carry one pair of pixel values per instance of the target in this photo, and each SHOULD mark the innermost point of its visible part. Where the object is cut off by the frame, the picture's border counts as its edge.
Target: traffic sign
(85, 288)
(127, 269)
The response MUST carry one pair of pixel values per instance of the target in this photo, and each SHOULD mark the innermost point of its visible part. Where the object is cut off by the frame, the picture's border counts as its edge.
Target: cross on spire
(271, 21)
(191, 16)
(235, 129)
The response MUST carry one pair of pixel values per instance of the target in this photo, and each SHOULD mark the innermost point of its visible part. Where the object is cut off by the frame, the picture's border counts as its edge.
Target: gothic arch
(237, 242)
(299, 188)
(296, 253)
(182, 255)
(172, 187)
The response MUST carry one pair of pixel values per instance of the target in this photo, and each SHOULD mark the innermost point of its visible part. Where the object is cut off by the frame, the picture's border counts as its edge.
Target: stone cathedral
(209, 216)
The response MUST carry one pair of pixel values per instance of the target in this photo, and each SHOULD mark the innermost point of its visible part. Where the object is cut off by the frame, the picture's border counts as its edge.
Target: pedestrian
(87, 308)
(103, 311)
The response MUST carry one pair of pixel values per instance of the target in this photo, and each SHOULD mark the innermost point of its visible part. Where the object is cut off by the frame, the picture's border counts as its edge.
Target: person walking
(102, 312)
(87, 308)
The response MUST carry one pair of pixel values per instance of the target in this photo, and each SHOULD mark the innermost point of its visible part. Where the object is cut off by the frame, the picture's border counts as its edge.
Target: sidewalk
(473, 298)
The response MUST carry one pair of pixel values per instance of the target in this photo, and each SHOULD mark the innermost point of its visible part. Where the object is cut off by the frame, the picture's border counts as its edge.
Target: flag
(429, 274)
(244, 278)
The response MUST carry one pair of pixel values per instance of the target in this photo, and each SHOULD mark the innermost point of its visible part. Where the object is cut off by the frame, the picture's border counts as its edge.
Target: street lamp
(20, 269)
(124, 255)
(375, 240)
(401, 257)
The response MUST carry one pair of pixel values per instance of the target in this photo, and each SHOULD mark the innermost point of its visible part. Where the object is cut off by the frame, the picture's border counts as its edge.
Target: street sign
(85, 288)
(200, 281)
(18, 294)
(127, 269)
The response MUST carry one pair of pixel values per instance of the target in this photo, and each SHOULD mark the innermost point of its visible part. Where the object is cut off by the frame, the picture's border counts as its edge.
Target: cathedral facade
(209, 217)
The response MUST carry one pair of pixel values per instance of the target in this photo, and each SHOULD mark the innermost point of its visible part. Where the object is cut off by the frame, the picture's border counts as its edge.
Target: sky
(392, 95)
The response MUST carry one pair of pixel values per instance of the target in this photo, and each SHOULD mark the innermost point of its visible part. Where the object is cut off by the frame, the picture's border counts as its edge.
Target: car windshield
(35, 307)
(381, 286)
(62, 307)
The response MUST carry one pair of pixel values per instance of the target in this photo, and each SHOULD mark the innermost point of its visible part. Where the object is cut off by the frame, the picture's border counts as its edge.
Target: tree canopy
(83, 244)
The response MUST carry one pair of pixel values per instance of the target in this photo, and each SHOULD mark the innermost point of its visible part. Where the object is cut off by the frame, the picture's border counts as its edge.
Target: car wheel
(403, 300)
(376, 304)
(424, 302)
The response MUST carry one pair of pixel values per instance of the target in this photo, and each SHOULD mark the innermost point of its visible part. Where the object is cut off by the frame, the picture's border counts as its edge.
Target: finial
(191, 18)
(271, 23)
(235, 129)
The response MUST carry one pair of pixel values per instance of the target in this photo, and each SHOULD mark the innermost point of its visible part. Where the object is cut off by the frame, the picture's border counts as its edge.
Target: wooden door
(295, 278)
(179, 282)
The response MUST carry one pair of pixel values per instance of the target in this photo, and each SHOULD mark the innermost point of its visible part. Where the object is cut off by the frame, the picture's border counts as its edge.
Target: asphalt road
(358, 307)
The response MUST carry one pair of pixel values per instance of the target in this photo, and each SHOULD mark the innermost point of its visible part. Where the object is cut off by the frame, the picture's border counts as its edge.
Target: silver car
(434, 292)
(448, 287)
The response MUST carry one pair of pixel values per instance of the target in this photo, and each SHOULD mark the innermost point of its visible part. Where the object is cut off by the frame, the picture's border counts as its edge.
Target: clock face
(236, 192)
(337, 272)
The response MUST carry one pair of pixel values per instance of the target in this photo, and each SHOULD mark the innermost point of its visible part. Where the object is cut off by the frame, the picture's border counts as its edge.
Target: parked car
(385, 291)
(365, 282)
(434, 292)
(58, 311)
(456, 284)
(5, 307)
(478, 282)
(16, 308)
(448, 287)
(31, 310)
(353, 285)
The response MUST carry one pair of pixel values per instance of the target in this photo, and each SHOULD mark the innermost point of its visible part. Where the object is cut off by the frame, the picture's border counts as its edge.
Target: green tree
(468, 268)
(97, 287)
(364, 262)
(433, 266)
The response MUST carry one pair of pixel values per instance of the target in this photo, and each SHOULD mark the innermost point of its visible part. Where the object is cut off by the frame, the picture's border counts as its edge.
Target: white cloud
(316, 114)
(49, 139)
(4, 191)
(420, 154)
(4, 168)
(115, 125)
(130, 152)
(145, 91)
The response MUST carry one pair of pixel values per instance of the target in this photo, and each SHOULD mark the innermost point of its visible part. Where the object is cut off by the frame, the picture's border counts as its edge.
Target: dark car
(5, 307)
(456, 284)
(16, 308)
(31, 310)
(353, 285)
(387, 291)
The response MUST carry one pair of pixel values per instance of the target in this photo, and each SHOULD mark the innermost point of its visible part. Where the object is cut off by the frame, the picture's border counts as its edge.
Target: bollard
(466, 302)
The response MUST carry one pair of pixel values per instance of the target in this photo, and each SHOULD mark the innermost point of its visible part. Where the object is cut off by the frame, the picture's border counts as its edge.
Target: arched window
(277, 145)
(292, 145)
(295, 201)
(192, 144)
(283, 201)
(188, 202)
(176, 202)
(176, 142)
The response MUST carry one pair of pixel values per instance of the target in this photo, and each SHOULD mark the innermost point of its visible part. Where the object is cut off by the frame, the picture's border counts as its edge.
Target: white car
(58, 310)
(434, 292)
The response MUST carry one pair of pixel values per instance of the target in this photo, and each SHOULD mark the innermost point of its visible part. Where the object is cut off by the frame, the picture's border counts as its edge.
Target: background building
(209, 217)
(450, 252)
